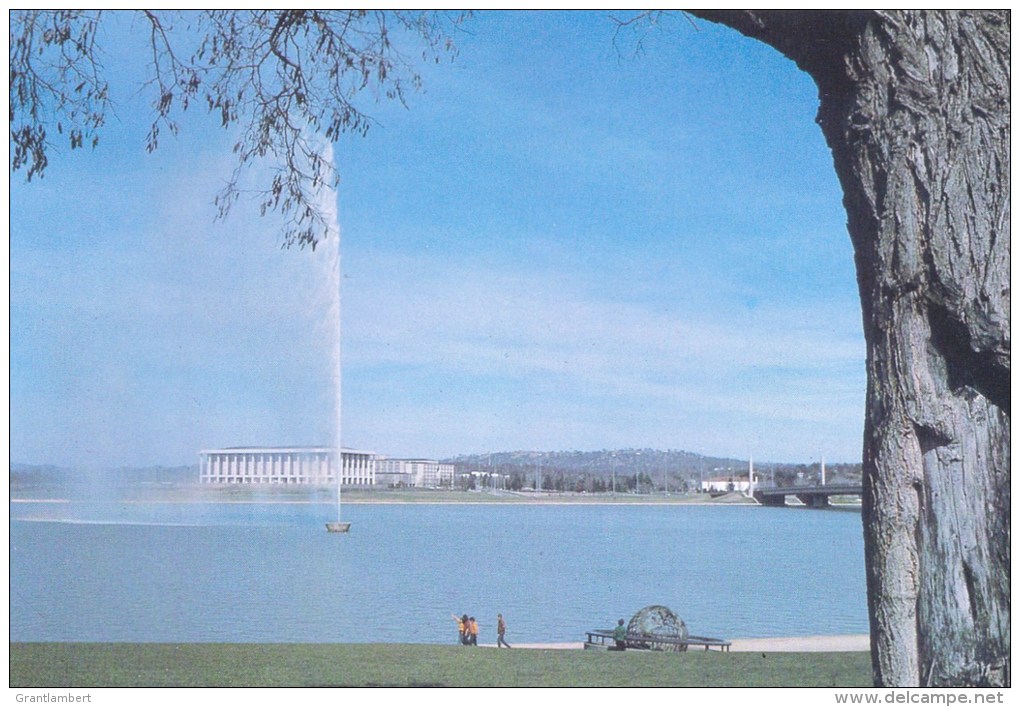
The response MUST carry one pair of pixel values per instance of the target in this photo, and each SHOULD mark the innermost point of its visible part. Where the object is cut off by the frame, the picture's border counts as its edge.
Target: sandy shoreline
(804, 644)
(792, 644)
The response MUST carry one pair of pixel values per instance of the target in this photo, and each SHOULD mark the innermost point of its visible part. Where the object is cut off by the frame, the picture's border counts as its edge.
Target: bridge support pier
(814, 500)
(770, 499)
(810, 496)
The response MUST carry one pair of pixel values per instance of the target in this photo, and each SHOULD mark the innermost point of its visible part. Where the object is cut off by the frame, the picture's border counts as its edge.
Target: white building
(723, 484)
(284, 465)
(413, 472)
(393, 472)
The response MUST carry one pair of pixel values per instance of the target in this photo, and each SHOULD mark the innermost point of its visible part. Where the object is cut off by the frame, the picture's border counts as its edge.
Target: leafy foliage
(289, 82)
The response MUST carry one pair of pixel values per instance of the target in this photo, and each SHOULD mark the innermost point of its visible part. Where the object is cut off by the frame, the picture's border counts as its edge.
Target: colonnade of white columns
(299, 465)
(358, 469)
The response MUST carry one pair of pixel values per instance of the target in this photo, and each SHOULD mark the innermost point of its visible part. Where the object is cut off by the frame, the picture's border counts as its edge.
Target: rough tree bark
(915, 108)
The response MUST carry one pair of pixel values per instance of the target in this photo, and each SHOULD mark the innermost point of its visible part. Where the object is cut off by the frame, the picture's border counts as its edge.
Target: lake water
(270, 572)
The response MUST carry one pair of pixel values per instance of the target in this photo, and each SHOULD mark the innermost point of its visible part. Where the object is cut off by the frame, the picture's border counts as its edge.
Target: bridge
(810, 496)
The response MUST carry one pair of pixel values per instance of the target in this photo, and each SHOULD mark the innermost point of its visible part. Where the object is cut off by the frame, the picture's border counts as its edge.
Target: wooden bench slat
(603, 634)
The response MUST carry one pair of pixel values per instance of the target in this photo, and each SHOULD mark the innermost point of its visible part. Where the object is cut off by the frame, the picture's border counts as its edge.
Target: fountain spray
(327, 204)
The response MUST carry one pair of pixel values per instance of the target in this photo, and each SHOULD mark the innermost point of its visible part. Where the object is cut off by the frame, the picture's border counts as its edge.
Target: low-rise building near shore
(427, 473)
(285, 465)
(725, 484)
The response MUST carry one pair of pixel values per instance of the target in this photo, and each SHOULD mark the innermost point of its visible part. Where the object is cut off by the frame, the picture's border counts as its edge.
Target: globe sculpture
(658, 621)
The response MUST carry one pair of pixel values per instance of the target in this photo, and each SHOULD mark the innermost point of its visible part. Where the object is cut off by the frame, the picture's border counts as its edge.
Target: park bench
(603, 638)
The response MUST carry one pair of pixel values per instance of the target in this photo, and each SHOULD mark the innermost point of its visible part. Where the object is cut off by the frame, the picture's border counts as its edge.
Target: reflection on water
(270, 573)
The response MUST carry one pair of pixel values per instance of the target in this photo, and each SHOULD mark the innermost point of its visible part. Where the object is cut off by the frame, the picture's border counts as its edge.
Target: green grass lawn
(353, 665)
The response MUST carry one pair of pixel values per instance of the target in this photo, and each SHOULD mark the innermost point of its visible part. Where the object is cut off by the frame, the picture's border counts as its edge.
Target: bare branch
(277, 76)
(642, 23)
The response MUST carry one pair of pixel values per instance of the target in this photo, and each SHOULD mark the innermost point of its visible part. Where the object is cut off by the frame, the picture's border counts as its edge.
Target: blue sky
(557, 245)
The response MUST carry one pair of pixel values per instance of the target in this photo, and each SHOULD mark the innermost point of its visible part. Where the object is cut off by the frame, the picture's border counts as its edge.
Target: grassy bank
(352, 665)
(457, 496)
(285, 494)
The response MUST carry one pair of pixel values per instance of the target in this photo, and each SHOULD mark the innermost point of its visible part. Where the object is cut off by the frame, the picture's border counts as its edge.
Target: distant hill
(599, 463)
(654, 465)
(647, 469)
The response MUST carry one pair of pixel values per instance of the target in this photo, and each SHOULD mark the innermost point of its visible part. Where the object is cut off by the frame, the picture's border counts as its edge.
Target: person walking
(473, 631)
(500, 631)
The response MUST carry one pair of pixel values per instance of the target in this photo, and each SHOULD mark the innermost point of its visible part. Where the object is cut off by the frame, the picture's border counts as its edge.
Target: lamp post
(637, 475)
(701, 471)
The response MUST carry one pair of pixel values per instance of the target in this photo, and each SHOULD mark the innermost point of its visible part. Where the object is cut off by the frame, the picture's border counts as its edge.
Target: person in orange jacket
(473, 631)
(463, 628)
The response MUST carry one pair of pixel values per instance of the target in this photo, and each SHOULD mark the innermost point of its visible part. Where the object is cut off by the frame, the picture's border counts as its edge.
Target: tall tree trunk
(915, 107)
